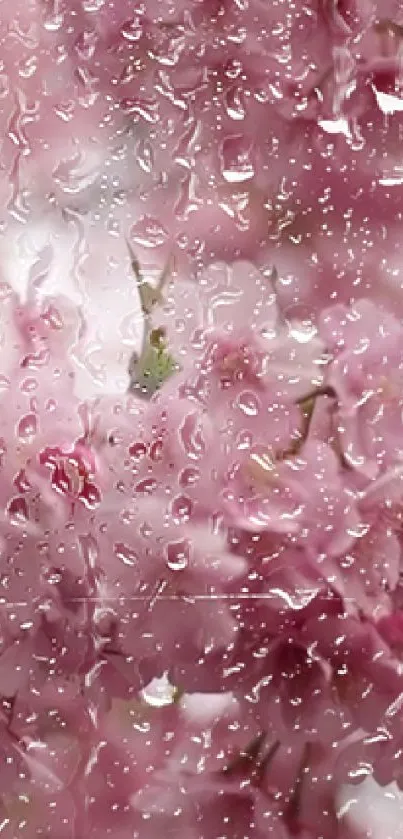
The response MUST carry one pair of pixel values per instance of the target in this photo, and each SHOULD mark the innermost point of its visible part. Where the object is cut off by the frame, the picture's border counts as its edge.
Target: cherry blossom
(201, 600)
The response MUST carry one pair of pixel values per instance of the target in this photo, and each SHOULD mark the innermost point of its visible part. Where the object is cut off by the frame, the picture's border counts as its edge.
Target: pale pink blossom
(366, 375)
(201, 600)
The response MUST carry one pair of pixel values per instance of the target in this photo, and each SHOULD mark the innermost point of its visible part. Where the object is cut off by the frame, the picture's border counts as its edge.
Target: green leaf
(150, 296)
(155, 365)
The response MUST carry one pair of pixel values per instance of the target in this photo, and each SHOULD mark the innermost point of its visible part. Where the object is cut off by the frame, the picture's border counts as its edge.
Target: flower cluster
(201, 602)
(201, 495)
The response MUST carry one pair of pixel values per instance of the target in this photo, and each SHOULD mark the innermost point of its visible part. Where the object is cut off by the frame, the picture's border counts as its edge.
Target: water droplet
(17, 511)
(234, 104)
(148, 233)
(145, 155)
(125, 554)
(189, 477)
(237, 166)
(75, 174)
(244, 441)
(146, 486)
(132, 30)
(300, 324)
(137, 450)
(127, 516)
(54, 21)
(28, 385)
(4, 85)
(145, 530)
(21, 481)
(54, 578)
(27, 428)
(248, 402)
(145, 109)
(177, 555)
(93, 5)
(191, 436)
(359, 531)
(360, 772)
(181, 509)
(28, 67)
(89, 550)
(90, 496)
(85, 45)
(156, 450)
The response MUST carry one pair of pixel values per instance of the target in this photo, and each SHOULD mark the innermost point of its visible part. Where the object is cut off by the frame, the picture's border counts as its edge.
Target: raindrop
(137, 450)
(145, 155)
(17, 511)
(146, 486)
(28, 385)
(301, 327)
(237, 166)
(177, 555)
(234, 104)
(54, 21)
(28, 68)
(75, 174)
(191, 436)
(127, 516)
(21, 481)
(93, 5)
(132, 30)
(85, 45)
(125, 554)
(181, 509)
(4, 85)
(360, 772)
(156, 450)
(148, 233)
(90, 496)
(89, 550)
(248, 402)
(145, 530)
(4, 383)
(244, 440)
(359, 530)
(189, 477)
(27, 428)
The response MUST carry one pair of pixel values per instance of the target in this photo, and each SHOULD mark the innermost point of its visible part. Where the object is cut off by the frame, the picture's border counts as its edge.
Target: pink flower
(162, 580)
(303, 496)
(209, 331)
(201, 603)
(209, 806)
(366, 346)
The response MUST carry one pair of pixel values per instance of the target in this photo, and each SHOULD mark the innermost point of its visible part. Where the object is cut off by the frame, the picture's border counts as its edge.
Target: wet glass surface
(201, 449)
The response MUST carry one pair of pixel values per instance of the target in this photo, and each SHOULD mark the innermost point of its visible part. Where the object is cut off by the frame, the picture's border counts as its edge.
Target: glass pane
(201, 449)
